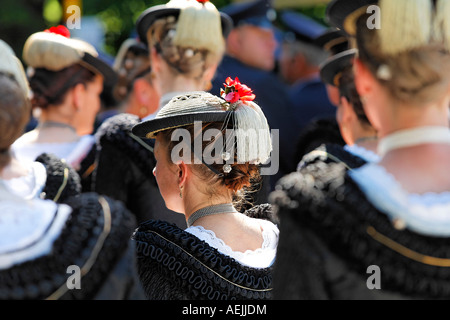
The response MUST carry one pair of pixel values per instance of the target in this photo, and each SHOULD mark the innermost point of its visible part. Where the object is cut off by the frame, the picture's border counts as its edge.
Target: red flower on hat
(203, 1)
(61, 30)
(235, 91)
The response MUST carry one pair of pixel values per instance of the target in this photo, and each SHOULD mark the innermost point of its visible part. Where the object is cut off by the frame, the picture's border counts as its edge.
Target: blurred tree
(119, 17)
(19, 19)
(24, 17)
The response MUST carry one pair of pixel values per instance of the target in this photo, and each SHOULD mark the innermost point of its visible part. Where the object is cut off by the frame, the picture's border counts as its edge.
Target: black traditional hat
(331, 70)
(183, 110)
(333, 40)
(235, 108)
(303, 28)
(259, 13)
(344, 13)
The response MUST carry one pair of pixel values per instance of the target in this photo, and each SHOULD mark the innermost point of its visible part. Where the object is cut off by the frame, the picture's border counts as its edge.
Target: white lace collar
(28, 228)
(260, 258)
(363, 153)
(427, 214)
(72, 152)
(29, 186)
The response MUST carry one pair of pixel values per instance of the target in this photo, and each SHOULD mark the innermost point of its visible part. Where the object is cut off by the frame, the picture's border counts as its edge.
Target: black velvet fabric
(175, 265)
(325, 246)
(62, 182)
(332, 153)
(81, 241)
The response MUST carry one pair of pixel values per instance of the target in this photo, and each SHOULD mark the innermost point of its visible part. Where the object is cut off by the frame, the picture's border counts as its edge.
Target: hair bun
(241, 176)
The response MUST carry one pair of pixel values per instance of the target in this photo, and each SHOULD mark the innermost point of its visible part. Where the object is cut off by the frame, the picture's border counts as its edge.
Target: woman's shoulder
(115, 136)
(26, 139)
(172, 256)
(324, 200)
(263, 211)
(115, 124)
(62, 179)
(89, 234)
(332, 153)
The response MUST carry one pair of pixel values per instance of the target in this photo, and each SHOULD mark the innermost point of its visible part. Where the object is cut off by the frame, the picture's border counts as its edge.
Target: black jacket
(175, 265)
(95, 238)
(331, 236)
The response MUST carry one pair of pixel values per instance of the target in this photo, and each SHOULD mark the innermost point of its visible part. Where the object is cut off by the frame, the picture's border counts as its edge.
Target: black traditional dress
(174, 264)
(78, 250)
(352, 232)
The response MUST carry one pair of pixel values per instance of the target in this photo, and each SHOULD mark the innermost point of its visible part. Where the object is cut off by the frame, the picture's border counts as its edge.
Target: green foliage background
(20, 18)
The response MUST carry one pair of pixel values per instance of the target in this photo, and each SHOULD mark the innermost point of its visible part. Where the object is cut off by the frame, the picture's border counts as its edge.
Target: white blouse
(30, 186)
(28, 228)
(427, 214)
(73, 153)
(262, 257)
(363, 153)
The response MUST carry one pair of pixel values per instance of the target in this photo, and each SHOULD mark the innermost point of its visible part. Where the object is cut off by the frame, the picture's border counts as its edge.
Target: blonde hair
(193, 42)
(410, 53)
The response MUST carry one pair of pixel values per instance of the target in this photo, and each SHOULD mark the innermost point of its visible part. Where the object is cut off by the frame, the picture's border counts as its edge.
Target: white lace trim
(28, 229)
(363, 153)
(427, 214)
(73, 152)
(29, 186)
(260, 258)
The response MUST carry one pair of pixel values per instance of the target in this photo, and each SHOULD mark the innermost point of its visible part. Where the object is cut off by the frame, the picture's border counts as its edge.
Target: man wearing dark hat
(299, 66)
(250, 56)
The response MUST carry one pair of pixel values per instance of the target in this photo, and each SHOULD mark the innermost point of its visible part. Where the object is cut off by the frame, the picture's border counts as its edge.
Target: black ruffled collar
(323, 198)
(191, 269)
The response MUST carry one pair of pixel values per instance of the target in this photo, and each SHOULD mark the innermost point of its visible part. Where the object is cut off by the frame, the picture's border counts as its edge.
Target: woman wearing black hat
(356, 130)
(382, 230)
(77, 250)
(186, 43)
(223, 253)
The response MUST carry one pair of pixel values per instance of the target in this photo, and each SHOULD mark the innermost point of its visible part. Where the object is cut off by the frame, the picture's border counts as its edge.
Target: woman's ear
(363, 78)
(78, 95)
(155, 59)
(348, 114)
(183, 173)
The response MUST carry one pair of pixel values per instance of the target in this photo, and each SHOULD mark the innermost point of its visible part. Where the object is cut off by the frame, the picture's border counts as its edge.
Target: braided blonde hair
(193, 42)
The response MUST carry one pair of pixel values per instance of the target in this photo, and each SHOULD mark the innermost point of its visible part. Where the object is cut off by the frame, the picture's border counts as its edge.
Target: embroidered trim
(95, 252)
(406, 252)
(205, 266)
(63, 185)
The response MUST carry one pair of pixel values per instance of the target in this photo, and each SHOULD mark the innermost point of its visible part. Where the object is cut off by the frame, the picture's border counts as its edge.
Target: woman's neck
(14, 169)
(180, 84)
(55, 130)
(369, 143)
(194, 199)
(404, 117)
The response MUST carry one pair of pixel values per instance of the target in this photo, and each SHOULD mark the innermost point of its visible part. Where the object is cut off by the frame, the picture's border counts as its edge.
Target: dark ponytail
(50, 87)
